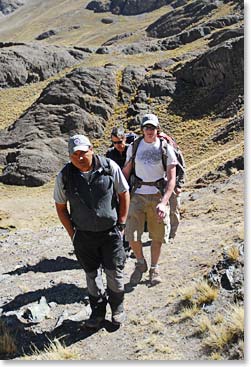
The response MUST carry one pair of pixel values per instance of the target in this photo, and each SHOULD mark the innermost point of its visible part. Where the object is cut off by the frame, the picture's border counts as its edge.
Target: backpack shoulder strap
(66, 172)
(135, 145)
(163, 145)
(105, 164)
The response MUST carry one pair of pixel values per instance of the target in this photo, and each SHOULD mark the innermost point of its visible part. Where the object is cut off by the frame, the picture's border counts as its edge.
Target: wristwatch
(121, 226)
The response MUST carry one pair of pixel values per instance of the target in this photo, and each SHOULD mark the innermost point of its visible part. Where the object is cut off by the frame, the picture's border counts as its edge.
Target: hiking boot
(138, 272)
(154, 276)
(118, 318)
(94, 322)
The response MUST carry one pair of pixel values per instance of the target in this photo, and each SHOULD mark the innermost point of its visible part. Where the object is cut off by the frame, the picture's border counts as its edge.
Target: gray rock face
(131, 79)
(8, 6)
(223, 170)
(224, 35)
(228, 273)
(179, 19)
(224, 62)
(117, 38)
(126, 7)
(81, 102)
(29, 63)
(159, 84)
(224, 133)
(212, 76)
(99, 6)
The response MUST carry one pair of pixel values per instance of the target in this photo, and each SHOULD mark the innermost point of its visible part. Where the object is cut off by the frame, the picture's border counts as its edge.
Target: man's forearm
(124, 202)
(171, 177)
(169, 190)
(127, 170)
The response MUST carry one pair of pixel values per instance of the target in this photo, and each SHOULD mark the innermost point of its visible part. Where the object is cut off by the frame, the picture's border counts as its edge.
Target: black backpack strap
(105, 164)
(135, 146)
(67, 171)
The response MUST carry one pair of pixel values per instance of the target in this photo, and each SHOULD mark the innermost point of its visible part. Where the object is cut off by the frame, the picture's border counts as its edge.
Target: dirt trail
(41, 263)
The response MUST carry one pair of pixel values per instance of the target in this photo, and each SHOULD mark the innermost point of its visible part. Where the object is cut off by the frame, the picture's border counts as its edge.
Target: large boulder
(47, 34)
(159, 84)
(26, 63)
(36, 144)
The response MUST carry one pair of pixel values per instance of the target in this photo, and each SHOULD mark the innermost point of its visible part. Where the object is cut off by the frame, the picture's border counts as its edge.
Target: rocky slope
(43, 290)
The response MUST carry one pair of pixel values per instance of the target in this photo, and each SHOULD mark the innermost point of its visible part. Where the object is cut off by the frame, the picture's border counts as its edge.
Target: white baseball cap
(150, 119)
(78, 142)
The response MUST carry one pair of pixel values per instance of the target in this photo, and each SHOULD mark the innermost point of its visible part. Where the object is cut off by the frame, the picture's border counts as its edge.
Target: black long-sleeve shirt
(116, 156)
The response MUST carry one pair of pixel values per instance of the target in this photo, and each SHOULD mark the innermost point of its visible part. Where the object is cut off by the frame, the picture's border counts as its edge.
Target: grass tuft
(233, 253)
(230, 330)
(54, 352)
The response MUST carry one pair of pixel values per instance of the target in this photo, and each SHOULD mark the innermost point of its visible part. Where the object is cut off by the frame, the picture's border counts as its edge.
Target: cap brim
(150, 122)
(83, 148)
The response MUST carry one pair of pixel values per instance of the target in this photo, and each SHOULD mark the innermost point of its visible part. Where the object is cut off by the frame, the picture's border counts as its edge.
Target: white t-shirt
(148, 163)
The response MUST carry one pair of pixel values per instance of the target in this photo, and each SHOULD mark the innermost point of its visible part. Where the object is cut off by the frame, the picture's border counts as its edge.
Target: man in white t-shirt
(147, 202)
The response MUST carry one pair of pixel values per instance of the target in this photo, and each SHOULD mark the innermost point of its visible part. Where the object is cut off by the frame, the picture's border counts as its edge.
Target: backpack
(165, 139)
(130, 137)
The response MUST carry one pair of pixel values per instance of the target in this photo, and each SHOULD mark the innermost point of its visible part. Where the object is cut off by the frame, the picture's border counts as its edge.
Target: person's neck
(150, 140)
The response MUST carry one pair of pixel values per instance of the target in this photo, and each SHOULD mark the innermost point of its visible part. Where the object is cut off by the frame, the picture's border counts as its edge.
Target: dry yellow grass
(233, 253)
(199, 293)
(205, 293)
(184, 314)
(204, 324)
(14, 101)
(56, 351)
(231, 328)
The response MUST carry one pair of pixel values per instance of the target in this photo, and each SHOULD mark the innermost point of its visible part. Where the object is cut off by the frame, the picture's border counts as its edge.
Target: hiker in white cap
(151, 188)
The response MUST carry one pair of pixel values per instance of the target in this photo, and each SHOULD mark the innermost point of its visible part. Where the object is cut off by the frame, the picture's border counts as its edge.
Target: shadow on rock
(48, 266)
(61, 294)
(69, 332)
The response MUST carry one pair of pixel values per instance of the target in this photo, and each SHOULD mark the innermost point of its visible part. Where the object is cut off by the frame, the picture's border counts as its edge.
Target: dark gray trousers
(98, 251)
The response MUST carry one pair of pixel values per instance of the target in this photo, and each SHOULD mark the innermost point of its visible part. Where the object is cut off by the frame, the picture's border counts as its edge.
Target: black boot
(116, 302)
(98, 307)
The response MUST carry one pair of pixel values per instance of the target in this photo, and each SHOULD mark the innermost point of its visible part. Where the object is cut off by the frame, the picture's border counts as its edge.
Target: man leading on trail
(148, 201)
(92, 185)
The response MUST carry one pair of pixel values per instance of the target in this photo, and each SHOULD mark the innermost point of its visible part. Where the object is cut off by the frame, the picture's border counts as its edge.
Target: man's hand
(177, 190)
(161, 211)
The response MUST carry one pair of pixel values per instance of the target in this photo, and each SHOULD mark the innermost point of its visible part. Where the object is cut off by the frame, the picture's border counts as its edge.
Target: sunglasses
(149, 127)
(117, 142)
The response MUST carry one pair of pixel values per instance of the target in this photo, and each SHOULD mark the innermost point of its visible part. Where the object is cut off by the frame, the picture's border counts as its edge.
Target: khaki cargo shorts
(143, 208)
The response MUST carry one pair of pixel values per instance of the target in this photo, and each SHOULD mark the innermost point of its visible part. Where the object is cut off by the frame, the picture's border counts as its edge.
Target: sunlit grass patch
(205, 293)
(233, 253)
(185, 314)
(54, 352)
(230, 330)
